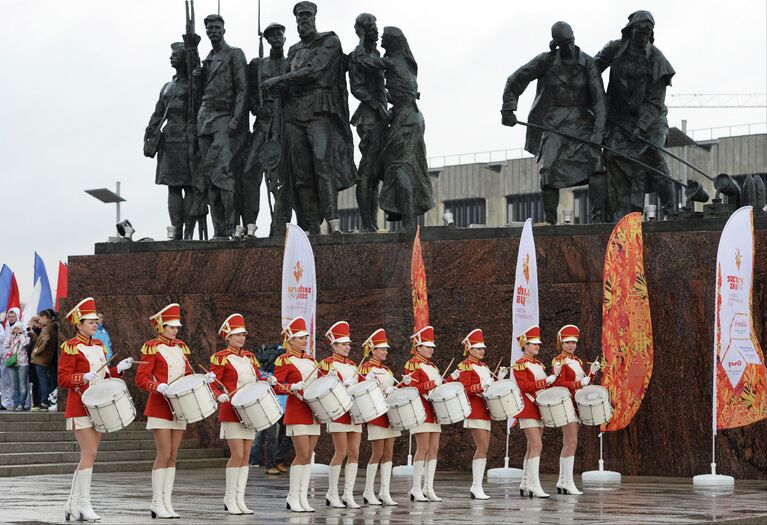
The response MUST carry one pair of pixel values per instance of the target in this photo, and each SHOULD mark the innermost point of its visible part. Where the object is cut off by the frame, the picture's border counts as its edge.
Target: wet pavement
(125, 498)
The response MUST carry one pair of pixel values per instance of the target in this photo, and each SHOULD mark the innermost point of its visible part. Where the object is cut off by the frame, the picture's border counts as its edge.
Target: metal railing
(501, 155)
(731, 130)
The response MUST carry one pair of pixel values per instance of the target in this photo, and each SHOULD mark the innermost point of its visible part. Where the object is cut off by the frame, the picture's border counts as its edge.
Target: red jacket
(290, 368)
(344, 368)
(418, 368)
(530, 375)
(571, 373)
(78, 356)
(161, 354)
(246, 371)
(385, 379)
(471, 379)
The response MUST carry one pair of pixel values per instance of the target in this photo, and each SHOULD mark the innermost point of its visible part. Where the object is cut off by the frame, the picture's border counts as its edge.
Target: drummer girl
(380, 434)
(81, 364)
(295, 369)
(569, 371)
(530, 375)
(424, 375)
(475, 376)
(234, 368)
(346, 436)
(164, 361)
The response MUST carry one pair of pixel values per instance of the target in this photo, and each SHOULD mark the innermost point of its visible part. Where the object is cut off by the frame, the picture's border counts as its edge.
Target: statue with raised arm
(569, 97)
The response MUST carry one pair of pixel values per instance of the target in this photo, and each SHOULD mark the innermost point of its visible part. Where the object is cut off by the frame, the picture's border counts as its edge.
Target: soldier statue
(636, 116)
(222, 124)
(267, 126)
(569, 97)
(175, 147)
(367, 83)
(320, 148)
(406, 193)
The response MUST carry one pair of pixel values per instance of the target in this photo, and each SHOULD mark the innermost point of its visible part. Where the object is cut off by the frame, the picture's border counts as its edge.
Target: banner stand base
(404, 470)
(713, 479)
(505, 474)
(318, 469)
(601, 476)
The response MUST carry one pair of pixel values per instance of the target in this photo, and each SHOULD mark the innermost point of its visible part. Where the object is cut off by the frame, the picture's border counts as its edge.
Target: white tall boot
(350, 477)
(384, 495)
(230, 492)
(561, 475)
(477, 474)
(70, 508)
(369, 496)
(523, 481)
(293, 501)
(331, 496)
(84, 499)
(568, 483)
(431, 470)
(303, 493)
(416, 493)
(242, 481)
(167, 491)
(157, 507)
(533, 481)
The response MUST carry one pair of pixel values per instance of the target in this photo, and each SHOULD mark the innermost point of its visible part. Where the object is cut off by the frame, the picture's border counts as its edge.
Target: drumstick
(216, 379)
(106, 363)
(403, 378)
(140, 362)
(495, 372)
(448, 368)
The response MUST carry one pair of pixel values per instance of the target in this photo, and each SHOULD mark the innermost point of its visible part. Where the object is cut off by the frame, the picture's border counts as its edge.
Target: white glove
(89, 376)
(124, 365)
(595, 366)
(389, 390)
(209, 378)
(438, 381)
(502, 373)
(406, 380)
(223, 398)
(557, 368)
(349, 382)
(455, 375)
(371, 376)
(271, 380)
(297, 386)
(551, 379)
(161, 388)
(585, 381)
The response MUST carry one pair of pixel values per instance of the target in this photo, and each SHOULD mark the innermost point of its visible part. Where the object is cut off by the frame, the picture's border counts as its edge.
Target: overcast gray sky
(82, 76)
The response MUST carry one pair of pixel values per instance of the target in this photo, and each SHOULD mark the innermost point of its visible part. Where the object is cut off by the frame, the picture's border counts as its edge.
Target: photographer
(44, 356)
(17, 363)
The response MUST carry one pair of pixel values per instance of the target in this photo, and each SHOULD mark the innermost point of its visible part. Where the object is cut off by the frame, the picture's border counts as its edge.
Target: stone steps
(64, 435)
(54, 425)
(29, 458)
(105, 466)
(72, 446)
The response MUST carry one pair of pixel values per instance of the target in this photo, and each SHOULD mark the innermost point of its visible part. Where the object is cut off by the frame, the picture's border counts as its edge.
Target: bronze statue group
(337, 391)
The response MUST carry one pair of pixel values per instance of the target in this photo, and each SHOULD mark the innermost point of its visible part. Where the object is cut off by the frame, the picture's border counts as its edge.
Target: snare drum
(327, 398)
(257, 406)
(109, 405)
(556, 407)
(190, 398)
(368, 402)
(450, 403)
(405, 408)
(503, 399)
(594, 406)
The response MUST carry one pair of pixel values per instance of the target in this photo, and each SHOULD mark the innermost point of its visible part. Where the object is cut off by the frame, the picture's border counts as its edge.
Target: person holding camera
(16, 363)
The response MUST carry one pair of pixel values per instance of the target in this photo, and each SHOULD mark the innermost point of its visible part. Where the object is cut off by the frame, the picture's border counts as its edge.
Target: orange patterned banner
(626, 325)
(418, 285)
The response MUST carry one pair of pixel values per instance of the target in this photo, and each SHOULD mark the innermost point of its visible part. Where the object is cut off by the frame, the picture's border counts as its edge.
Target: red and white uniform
(572, 372)
(289, 369)
(379, 428)
(346, 370)
(475, 373)
(234, 368)
(165, 361)
(530, 375)
(79, 356)
(425, 377)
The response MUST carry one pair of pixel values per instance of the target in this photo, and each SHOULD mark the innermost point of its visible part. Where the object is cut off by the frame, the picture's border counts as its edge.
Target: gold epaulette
(520, 366)
(70, 347)
(183, 346)
(282, 360)
(217, 360)
(464, 366)
(254, 361)
(412, 365)
(326, 364)
(150, 347)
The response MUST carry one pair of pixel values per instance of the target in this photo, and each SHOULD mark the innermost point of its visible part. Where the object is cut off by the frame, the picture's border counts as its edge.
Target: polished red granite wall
(365, 280)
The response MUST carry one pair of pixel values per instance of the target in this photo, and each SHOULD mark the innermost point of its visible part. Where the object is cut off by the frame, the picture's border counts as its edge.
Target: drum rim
(181, 380)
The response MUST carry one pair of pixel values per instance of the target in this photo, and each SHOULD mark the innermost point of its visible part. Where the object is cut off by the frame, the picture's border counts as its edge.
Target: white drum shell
(327, 398)
(368, 402)
(450, 403)
(109, 405)
(503, 399)
(556, 407)
(191, 399)
(594, 406)
(257, 406)
(406, 410)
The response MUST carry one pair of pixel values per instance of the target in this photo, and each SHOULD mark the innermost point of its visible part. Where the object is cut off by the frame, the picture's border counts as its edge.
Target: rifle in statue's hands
(191, 41)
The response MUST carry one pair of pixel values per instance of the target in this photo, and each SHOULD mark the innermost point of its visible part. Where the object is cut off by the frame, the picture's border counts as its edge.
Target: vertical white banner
(299, 281)
(524, 313)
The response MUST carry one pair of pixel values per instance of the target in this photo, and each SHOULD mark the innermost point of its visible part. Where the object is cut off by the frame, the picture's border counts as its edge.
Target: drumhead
(103, 391)
(552, 396)
(250, 393)
(184, 384)
(500, 387)
(362, 386)
(401, 396)
(320, 386)
(592, 395)
(446, 390)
